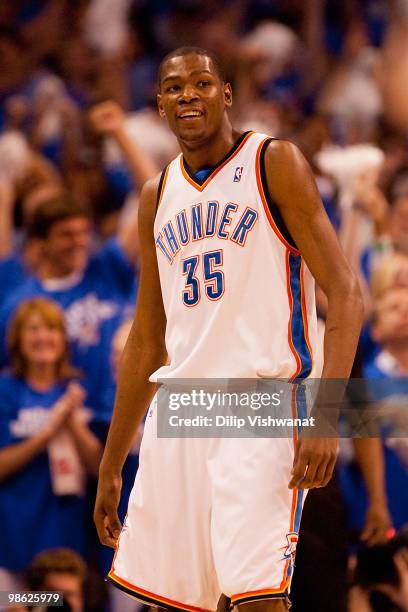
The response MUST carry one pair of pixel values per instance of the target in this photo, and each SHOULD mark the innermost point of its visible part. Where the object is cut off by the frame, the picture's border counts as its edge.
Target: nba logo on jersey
(238, 174)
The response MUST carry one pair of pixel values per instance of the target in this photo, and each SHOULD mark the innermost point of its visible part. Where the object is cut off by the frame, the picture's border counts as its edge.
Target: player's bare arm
(293, 189)
(143, 354)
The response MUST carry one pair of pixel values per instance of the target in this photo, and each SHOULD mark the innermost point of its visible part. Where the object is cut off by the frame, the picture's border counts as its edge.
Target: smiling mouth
(190, 114)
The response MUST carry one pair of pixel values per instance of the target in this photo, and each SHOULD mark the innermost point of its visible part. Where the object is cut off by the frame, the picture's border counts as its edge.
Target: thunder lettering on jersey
(202, 221)
(238, 298)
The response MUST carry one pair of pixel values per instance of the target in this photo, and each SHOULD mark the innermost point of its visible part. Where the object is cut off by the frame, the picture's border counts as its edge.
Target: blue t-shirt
(32, 518)
(94, 306)
(381, 385)
(12, 276)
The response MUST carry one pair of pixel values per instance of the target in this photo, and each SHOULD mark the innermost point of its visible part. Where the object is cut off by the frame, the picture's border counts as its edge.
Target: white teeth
(191, 114)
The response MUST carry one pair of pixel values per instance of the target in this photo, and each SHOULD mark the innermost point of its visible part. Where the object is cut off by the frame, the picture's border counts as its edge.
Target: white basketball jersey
(239, 300)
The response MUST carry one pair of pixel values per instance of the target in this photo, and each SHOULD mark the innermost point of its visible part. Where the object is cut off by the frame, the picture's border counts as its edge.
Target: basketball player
(232, 234)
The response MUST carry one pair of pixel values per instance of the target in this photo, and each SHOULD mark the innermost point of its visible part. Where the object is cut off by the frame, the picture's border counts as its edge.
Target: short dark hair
(54, 560)
(50, 212)
(181, 51)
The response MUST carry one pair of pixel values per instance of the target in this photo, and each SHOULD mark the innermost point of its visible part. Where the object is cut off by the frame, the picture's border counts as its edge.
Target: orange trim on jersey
(294, 415)
(293, 509)
(290, 298)
(281, 589)
(265, 202)
(163, 185)
(286, 580)
(217, 169)
(158, 598)
(304, 312)
(295, 494)
(117, 545)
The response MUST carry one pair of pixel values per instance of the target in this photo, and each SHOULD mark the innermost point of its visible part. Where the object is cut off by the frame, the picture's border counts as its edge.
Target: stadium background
(78, 128)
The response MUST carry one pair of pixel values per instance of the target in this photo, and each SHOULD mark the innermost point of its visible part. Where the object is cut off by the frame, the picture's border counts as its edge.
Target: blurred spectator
(59, 569)
(324, 533)
(108, 119)
(93, 291)
(393, 69)
(46, 445)
(28, 175)
(63, 570)
(106, 24)
(390, 330)
(381, 577)
(350, 94)
(26, 179)
(14, 65)
(391, 272)
(387, 381)
(392, 235)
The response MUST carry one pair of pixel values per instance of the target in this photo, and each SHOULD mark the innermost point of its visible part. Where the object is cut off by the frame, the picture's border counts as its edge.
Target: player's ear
(227, 94)
(160, 106)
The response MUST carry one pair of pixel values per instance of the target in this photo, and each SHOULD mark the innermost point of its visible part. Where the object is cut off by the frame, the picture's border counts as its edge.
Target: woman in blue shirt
(46, 447)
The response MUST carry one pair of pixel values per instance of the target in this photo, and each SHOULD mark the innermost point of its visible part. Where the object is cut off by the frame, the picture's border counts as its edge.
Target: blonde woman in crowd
(46, 447)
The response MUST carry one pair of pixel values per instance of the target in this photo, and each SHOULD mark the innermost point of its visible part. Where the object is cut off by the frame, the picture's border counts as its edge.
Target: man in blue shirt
(96, 292)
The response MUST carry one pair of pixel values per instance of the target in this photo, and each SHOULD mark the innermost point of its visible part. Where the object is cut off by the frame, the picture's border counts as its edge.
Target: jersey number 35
(212, 277)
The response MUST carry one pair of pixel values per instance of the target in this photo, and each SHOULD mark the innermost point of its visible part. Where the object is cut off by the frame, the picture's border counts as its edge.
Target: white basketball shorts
(209, 516)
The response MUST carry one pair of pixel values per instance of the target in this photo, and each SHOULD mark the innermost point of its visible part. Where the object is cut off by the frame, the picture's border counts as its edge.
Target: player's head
(64, 230)
(193, 94)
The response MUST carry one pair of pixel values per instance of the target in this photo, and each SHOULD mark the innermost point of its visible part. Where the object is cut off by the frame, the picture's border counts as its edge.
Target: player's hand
(378, 524)
(106, 118)
(106, 508)
(314, 462)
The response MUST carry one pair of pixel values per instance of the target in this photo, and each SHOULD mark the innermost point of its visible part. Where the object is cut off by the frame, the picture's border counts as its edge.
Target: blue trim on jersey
(301, 413)
(297, 326)
(202, 175)
(296, 523)
(298, 513)
(301, 408)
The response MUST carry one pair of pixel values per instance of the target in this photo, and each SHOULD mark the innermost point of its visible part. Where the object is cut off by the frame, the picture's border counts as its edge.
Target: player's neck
(210, 152)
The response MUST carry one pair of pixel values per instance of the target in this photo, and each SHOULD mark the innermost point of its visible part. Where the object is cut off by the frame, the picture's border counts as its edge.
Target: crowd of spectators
(79, 136)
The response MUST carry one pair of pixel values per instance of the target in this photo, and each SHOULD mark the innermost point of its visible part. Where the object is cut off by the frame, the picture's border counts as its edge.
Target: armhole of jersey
(273, 208)
(162, 185)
